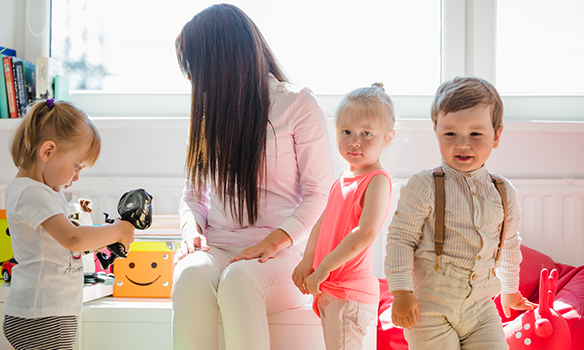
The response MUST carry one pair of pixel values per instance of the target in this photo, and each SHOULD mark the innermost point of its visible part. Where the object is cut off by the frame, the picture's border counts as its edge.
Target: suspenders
(439, 214)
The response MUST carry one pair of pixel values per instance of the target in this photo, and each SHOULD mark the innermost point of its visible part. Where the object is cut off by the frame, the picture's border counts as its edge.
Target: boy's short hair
(467, 92)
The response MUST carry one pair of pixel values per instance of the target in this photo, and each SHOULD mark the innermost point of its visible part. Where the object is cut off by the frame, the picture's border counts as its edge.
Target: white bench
(145, 323)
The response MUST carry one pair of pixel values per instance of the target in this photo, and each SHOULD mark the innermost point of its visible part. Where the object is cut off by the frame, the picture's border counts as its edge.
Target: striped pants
(44, 333)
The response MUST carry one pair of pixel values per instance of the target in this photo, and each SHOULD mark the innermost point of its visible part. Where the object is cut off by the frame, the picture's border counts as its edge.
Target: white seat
(145, 323)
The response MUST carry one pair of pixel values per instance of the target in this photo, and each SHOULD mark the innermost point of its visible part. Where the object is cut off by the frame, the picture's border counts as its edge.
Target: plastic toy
(99, 278)
(544, 327)
(135, 206)
(7, 269)
(5, 242)
(147, 271)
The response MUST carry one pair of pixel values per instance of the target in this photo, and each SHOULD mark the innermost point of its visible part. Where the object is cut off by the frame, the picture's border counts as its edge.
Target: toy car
(7, 269)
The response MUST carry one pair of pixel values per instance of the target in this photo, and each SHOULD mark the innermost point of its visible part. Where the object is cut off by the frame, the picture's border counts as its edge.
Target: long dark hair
(227, 60)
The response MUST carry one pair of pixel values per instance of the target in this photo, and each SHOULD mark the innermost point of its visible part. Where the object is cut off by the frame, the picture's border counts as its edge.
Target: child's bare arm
(376, 199)
(85, 238)
(404, 311)
(304, 268)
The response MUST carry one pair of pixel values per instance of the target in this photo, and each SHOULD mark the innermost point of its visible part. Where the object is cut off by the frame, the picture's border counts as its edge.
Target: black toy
(135, 206)
(99, 278)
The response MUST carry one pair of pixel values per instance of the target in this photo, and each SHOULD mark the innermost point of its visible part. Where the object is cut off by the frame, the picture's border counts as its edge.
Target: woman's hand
(191, 242)
(266, 248)
(302, 270)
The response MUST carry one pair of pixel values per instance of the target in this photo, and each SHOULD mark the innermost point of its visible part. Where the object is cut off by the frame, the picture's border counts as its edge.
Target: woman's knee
(190, 278)
(236, 280)
(236, 276)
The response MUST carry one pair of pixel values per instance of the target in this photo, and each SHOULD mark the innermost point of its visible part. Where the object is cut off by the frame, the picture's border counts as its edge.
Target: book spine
(30, 81)
(18, 71)
(4, 111)
(10, 91)
(44, 78)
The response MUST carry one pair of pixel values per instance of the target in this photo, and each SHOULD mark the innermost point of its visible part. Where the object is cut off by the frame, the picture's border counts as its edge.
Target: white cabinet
(145, 323)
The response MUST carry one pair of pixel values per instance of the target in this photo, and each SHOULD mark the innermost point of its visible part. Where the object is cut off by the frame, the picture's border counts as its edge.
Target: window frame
(468, 47)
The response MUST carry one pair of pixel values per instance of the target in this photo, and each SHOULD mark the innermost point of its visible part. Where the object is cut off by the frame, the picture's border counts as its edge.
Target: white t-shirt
(48, 279)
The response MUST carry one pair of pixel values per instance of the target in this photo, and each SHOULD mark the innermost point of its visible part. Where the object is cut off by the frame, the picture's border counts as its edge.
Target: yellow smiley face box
(5, 244)
(146, 272)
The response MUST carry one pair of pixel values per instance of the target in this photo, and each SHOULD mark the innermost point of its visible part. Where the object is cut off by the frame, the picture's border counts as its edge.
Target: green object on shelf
(61, 88)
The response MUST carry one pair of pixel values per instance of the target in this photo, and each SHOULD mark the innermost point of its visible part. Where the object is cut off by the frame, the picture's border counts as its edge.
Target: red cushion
(569, 303)
(531, 265)
(569, 300)
(389, 337)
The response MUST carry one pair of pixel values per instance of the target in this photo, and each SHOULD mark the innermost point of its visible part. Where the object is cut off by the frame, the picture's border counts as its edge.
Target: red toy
(7, 269)
(544, 327)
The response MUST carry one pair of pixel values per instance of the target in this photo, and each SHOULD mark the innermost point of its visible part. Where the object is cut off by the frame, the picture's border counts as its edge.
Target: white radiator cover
(553, 218)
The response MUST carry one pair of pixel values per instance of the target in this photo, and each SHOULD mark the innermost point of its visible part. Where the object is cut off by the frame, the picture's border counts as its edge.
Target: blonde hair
(368, 102)
(467, 92)
(63, 124)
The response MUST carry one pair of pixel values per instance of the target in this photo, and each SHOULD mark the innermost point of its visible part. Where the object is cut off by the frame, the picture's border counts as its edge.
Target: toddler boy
(442, 293)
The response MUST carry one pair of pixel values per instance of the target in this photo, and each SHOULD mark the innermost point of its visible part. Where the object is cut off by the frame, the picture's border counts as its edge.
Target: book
(30, 81)
(46, 70)
(4, 111)
(10, 90)
(19, 85)
(6, 51)
(61, 88)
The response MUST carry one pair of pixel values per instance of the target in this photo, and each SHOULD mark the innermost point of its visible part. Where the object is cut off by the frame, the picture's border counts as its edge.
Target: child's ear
(497, 137)
(389, 137)
(47, 150)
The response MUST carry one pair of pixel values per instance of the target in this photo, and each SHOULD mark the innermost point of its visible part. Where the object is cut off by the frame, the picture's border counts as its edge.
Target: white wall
(23, 24)
(156, 148)
(8, 20)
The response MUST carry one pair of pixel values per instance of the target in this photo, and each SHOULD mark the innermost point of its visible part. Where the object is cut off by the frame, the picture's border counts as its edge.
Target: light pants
(244, 292)
(456, 310)
(344, 322)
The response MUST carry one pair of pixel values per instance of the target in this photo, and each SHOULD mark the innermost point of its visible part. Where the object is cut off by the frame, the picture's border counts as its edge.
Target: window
(122, 59)
(540, 47)
(330, 46)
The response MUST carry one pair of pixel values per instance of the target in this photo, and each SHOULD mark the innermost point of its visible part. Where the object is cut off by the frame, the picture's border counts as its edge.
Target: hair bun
(378, 85)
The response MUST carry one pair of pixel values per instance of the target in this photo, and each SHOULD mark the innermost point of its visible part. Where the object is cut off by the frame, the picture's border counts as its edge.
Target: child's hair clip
(51, 103)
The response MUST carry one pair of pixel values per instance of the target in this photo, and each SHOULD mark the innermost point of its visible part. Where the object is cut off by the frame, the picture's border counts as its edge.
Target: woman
(258, 171)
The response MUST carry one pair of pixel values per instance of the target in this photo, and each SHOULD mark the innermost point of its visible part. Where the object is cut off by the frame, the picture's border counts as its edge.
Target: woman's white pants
(244, 293)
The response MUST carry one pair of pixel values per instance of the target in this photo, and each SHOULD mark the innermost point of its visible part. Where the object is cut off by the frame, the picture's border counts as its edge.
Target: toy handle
(135, 206)
(544, 287)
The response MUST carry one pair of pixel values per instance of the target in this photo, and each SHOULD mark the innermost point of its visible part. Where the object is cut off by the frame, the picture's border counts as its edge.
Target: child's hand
(302, 270)
(404, 311)
(515, 301)
(314, 281)
(126, 232)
